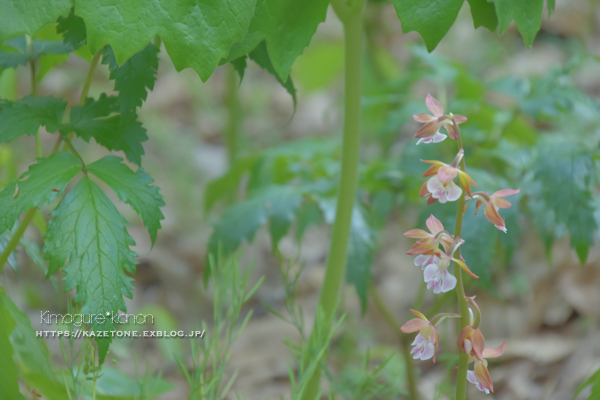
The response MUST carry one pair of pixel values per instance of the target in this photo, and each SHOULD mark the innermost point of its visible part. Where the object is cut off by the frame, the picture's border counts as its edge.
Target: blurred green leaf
(12, 258)
(195, 35)
(593, 380)
(275, 204)
(260, 55)
(15, 52)
(227, 185)
(72, 29)
(133, 188)
(287, 27)
(527, 16)
(431, 18)
(18, 18)
(484, 14)
(566, 172)
(31, 353)
(25, 116)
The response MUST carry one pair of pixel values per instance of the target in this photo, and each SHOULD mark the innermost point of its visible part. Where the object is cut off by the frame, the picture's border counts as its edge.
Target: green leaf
(72, 29)
(287, 26)
(196, 34)
(550, 4)
(30, 352)
(484, 14)
(133, 77)
(240, 66)
(527, 16)
(275, 204)
(431, 18)
(133, 188)
(9, 383)
(45, 180)
(480, 237)
(226, 185)
(89, 233)
(26, 115)
(27, 17)
(96, 119)
(566, 172)
(16, 52)
(260, 56)
(592, 380)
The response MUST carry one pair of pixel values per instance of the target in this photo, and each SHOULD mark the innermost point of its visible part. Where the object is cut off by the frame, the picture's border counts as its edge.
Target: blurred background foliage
(249, 162)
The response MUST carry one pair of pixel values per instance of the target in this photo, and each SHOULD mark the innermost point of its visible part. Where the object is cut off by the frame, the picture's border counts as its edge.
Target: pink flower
(442, 191)
(430, 132)
(436, 276)
(434, 237)
(471, 378)
(426, 342)
(492, 204)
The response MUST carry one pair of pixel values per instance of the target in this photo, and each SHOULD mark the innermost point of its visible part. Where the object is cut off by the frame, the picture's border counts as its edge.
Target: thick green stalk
(233, 108)
(351, 16)
(463, 361)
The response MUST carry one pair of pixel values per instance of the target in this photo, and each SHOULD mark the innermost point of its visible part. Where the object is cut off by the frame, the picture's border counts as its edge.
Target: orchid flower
(430, 132)
(492, 204)
(434, 237)
(480, 376)
(427, 341)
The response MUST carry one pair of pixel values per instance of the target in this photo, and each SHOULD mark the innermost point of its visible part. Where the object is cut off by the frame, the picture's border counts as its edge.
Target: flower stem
(463, 361)
(16, 237)
(350, 14)
(402, 339)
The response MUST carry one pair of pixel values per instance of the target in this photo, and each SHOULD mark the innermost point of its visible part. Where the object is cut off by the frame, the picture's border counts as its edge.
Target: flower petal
(434, 184)
(501, 203)
(434, 225)
(454, 192)
(504, 193)
(430, 272)
(492, 215)
(460, 119)
(452, 131)
(423, 117)
(416, 234)
(446, 173)
(434, 106)
(414, 325)
(483, 376)
(471, 377)
(448, 282)
(478, 343)
(419, 314)
(438, 137)
(428, 351)
(493, 353)
(428, 130)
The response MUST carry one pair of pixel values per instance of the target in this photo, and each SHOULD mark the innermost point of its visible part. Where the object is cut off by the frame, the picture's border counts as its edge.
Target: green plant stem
(402, 339)
(38, 140)
(351, 16)
(16, 237)
(463, 361)
(86, 85)
(233, 108)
